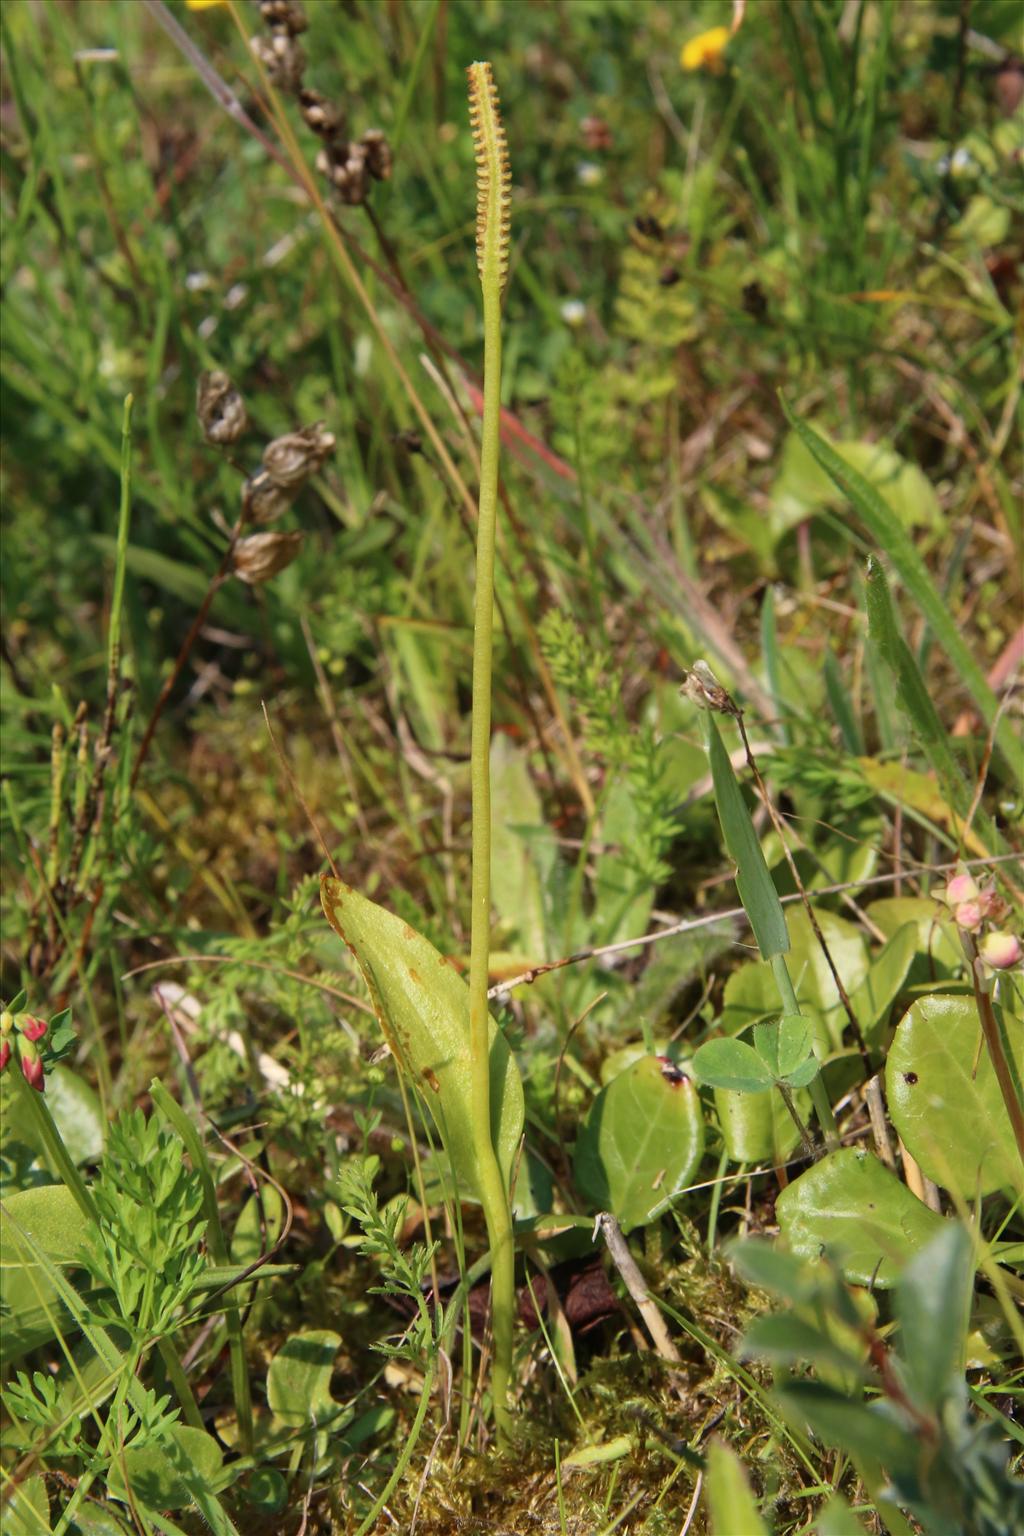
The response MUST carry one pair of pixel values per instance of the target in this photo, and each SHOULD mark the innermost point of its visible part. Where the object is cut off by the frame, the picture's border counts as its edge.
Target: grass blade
(753, 881)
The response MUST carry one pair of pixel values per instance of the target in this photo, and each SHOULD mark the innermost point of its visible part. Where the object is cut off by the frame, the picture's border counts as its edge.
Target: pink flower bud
(1001, 951)
(5, 1054)
(32, 1029)
(961, 888)
(31, 1065)
(968, 915)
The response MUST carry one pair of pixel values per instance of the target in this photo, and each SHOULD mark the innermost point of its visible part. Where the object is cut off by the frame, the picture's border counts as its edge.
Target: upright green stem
(492, 247)
(994, 1041)
(819, 1098)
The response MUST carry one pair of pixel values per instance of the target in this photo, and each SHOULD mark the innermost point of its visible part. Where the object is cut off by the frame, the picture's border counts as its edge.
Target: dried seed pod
(701, 687)
(220, 408)
(291, 459)
(284, 13)
(347, 165)
(350, 176)
(282, 58)
(260, 556)
(320, 114)
(263, 501)
(378, 153)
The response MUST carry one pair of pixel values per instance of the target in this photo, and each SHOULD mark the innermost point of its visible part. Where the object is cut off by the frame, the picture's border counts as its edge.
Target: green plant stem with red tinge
(994, 1040)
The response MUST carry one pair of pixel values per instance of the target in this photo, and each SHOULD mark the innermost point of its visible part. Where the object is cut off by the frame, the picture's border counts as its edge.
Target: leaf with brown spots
(423, 1008)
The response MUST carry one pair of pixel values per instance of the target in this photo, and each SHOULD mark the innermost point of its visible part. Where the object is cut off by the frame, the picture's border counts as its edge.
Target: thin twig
(633, 1280)
(692, 924)
(218, 579)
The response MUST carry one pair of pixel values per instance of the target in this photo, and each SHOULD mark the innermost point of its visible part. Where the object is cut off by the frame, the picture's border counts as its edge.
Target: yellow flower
(705, 51)
(203, 5)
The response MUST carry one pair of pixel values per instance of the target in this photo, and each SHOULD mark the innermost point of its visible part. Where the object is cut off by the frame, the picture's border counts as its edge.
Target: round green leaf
(732, 1064)
(786, 1047)
(640, 1143)
(951, 1117)
(852, 1208)
(299, 1379)
(756, 1126)
(266, 1490)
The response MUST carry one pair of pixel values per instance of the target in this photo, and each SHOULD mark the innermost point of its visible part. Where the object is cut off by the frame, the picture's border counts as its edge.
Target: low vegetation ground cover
(561, 1074)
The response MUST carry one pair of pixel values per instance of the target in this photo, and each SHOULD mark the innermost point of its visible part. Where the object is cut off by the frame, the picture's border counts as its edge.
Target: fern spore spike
(493, 177)
(492, 244)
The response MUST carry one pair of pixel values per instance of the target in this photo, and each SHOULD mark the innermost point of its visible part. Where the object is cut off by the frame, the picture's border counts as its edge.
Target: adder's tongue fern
(493, 178)
(492, 242)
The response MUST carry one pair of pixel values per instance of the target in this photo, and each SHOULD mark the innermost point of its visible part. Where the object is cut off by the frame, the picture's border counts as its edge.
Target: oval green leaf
(76, 1109)
(422, 1004)
(165, 1476)
(852, 1208)
(50, 1218)
(299, 1379)
(787, 1049)
(951, 1117)
(640, 1143)
(732, 1064)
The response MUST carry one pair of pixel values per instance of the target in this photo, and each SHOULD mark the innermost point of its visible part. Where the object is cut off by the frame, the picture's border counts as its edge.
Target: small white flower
(573, 312)
(588, 174)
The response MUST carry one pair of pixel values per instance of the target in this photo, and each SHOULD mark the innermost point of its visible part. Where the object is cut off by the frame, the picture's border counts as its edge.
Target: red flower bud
(31, 1065)
(33, 1029)
(5, 1054)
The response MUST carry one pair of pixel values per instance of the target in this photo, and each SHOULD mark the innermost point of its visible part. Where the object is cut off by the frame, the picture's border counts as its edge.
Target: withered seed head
(262, 500)
(701, 687)
(260, 556)
(220, 408)
(345, 166)
(282, 58)
(284, 13)
(320, 114)
(378, 153)
(291, 459)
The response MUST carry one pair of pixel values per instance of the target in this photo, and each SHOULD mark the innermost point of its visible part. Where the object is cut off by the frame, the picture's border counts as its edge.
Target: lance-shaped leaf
(422, 1004)
(753, 882)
